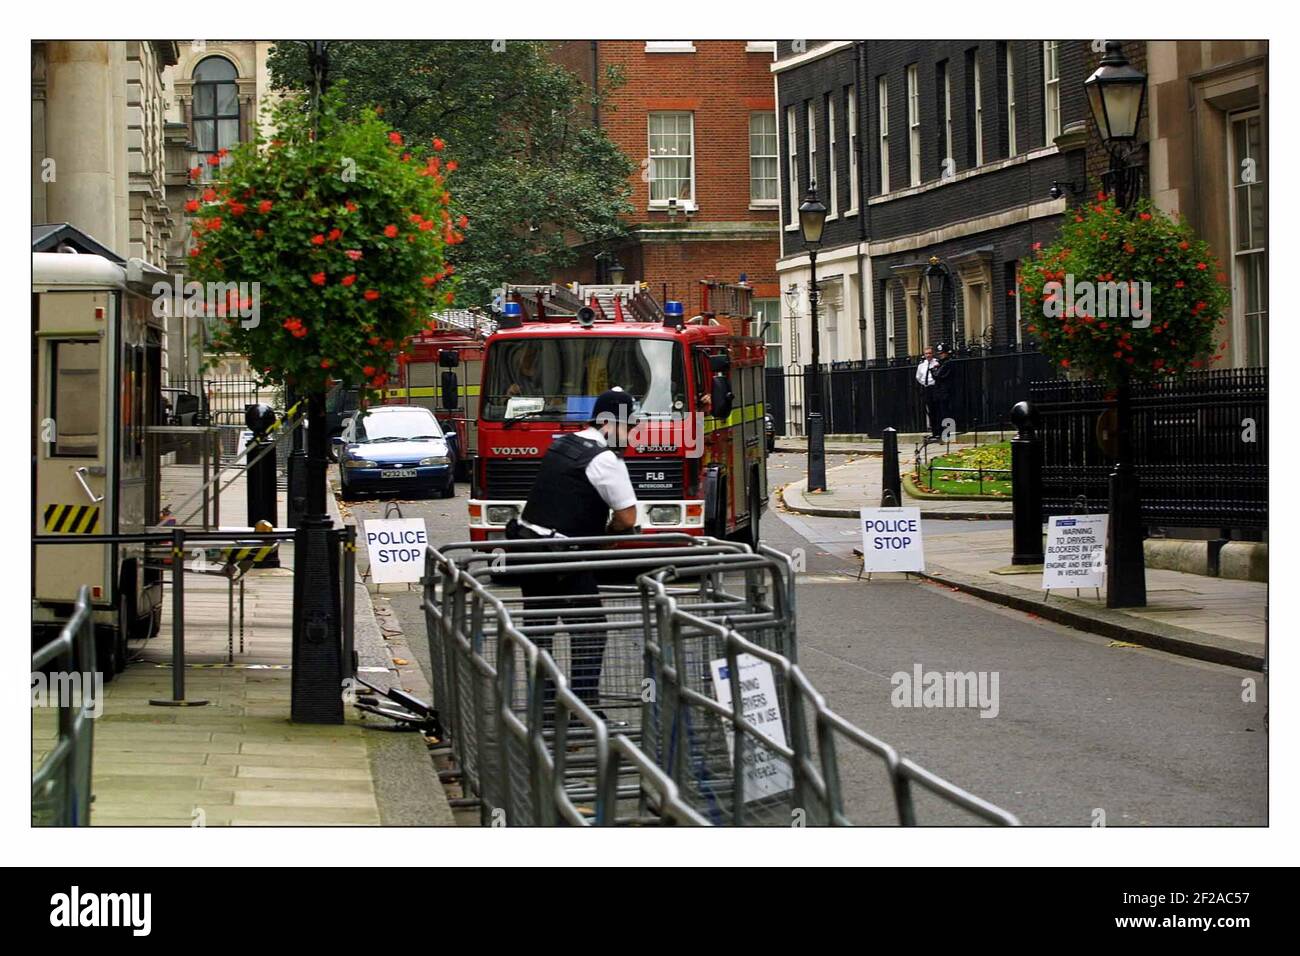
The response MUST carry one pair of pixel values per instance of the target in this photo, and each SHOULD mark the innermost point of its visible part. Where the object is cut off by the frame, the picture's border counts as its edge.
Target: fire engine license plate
(399, 473)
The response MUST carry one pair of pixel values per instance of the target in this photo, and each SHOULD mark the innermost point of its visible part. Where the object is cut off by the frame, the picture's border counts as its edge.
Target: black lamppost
(812, 219)
(1116, 92)
(938, 280)
(317, 654)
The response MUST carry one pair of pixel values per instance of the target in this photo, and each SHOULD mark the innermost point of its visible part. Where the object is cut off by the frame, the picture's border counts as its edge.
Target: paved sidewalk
(239, 760)
(856, 484)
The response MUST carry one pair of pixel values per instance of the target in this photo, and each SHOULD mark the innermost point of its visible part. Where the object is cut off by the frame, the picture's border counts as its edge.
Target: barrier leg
(178, 628)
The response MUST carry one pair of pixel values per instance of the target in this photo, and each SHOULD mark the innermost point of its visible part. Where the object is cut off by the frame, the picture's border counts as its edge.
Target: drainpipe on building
(864, 177)
(595, 83)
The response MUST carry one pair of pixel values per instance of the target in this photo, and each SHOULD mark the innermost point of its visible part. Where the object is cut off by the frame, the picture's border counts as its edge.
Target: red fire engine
(441, 372)
(696, 454)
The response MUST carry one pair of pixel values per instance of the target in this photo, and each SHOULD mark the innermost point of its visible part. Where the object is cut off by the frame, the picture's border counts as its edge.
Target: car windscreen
(559, 378)
(381, 426)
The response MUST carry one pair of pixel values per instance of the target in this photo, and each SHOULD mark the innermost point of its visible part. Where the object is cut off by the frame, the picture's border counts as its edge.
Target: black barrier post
(349, 600)
(178, 628)
(1026, 488)
(891, 483)
(259, 481)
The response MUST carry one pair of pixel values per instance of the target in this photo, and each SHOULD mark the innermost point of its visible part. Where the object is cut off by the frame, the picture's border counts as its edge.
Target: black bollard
(1026, 488)
(259, 479)
(891, 484)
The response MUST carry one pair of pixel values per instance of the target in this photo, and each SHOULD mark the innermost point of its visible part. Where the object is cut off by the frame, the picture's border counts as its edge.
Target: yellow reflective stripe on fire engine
(746, 413)
(428, 391)
(254, 554)
(72, 519)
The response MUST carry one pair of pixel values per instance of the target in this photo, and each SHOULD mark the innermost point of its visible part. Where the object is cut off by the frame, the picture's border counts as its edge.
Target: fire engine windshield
(559, 378)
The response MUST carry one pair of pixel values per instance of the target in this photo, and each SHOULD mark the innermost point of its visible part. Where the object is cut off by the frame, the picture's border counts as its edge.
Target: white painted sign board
(891, 539)
(1075, 556)
(766, 773)
(396, 547)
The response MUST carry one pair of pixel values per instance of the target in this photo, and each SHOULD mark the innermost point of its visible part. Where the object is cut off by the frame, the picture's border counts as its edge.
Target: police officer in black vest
(581, 482)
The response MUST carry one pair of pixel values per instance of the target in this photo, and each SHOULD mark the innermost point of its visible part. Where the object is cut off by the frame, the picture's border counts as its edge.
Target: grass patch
(994, 456)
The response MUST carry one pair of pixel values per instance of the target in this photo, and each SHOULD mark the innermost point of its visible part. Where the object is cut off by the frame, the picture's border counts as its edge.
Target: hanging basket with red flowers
(322, 225)
(1135, 295)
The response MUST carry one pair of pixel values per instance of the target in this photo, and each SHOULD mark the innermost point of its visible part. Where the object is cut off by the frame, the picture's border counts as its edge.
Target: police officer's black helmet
(943, 347)
(615, 403)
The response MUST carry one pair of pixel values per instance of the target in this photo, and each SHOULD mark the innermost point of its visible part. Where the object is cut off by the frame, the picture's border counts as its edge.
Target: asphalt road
(1077, 728)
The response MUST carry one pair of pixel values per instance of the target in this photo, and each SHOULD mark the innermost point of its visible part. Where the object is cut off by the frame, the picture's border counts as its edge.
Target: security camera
(1055, 192)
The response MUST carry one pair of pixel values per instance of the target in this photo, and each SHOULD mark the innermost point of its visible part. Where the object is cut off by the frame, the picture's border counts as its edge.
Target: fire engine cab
(696, 452)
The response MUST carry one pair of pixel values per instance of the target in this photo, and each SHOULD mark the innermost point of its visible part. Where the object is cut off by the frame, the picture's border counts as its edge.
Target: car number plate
(400, 473)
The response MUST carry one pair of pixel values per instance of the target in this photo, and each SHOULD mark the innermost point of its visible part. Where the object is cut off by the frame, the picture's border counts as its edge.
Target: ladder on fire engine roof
(563, 302)
(465, 321)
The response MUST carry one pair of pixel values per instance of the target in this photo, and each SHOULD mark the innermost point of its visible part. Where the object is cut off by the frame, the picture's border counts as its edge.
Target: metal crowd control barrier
(608, 710)
(61, 784)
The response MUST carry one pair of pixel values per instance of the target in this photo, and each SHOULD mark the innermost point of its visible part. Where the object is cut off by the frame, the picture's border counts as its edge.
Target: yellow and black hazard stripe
(249, 556)
(429, 391)
(72, 519)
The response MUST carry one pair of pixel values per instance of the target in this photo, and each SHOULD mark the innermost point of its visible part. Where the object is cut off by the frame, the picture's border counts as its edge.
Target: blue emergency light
(512, 315)
(673, 314)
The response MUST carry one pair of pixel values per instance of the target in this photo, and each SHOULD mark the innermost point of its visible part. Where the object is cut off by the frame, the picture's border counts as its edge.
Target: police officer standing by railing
(582, 480)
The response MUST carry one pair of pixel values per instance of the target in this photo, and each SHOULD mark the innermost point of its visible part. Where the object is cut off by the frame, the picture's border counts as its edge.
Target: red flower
(348, 279)
(1179, 284)
(264, 206)
(373, 340)
(325, 363)
(1065, 363)
(318, 278)
(259, 233)
(214, 223)
(390, 231)
(196, 172)
(214, 160)
(463, 221)
(1036, 246)
(438, 144)
(452, 166)
(368, 371)
(414, 217)
(335, 233)
(1184, 245)
(371, 295)
(350, 206)
(426, 225)
(354, 254)
(194, 252)
(1144, 216)
(395, 139)
(237, 208)
(429, 281)
(209, 195)
(1201, 266)
(1130, 248)
(192, 206)
(318, 240)
(449, 298)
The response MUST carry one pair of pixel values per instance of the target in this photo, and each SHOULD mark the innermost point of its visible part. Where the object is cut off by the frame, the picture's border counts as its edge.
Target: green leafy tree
(538, 180)
(1148, 296)
(343, 229)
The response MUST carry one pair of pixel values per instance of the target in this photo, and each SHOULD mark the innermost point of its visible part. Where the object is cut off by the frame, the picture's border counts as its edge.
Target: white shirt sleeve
(608, 475)
(920, 372)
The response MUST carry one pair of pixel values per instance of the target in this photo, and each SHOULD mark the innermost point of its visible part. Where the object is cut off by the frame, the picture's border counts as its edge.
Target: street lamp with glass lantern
(1116, 92)
(938, 279)
(812, 219)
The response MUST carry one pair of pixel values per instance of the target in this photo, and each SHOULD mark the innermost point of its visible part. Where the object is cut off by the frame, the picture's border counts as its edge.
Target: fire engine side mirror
(449, 390)
(448, 358)
(721, 397)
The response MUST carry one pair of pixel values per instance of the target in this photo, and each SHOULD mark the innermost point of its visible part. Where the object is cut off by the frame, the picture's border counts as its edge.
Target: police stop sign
(396, 547)
(891, 539)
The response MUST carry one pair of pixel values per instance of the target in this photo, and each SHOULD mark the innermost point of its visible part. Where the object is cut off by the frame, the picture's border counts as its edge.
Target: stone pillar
(80, 137)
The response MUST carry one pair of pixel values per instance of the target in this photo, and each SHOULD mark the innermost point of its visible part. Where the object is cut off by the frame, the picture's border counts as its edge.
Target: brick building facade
(697, 119)
(923, 149)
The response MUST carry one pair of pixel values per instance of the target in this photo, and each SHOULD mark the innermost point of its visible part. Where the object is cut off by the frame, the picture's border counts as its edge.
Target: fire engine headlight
(665, 514)
(501, 514)
(436, 460)
(359, 463)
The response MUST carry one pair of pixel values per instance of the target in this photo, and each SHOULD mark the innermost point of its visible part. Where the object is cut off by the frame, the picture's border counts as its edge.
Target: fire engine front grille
(653, 479)
(511, 478)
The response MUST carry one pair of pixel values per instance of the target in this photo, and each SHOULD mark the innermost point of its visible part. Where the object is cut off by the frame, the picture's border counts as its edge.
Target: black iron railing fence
(866, 398)
(1200, 447)
(217, 399)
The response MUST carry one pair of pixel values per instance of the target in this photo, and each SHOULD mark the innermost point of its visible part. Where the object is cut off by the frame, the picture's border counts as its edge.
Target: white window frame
(882, 107)
(663, 203)
(1243, 259)
(833, 207)
(670, 46)
(769, 310)
(1011, 100)
(792, 150)
(947, 121)
(889, 320)
(760, 46)
(914, 125)
(1052, 89)
(853, 154)
(979, 113)
(811, 109)
(775, 156)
